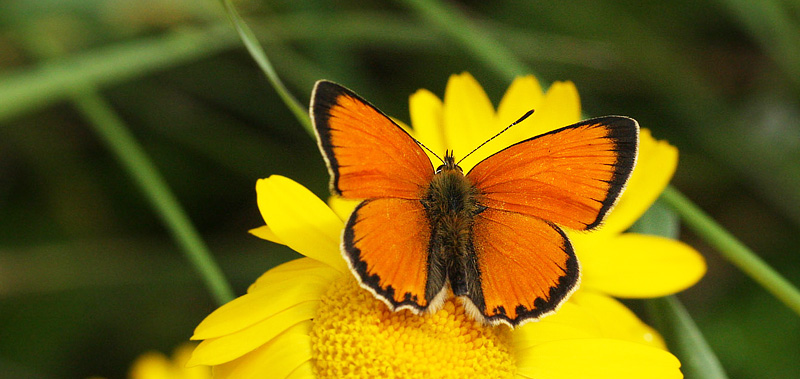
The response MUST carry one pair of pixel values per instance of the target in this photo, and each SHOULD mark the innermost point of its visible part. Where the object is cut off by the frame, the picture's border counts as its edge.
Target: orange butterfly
(492, 236)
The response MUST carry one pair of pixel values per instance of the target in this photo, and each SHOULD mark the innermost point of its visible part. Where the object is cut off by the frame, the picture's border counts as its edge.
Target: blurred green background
(90, 277)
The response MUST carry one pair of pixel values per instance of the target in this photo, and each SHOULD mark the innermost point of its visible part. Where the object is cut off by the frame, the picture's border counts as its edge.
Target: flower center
(357, 336)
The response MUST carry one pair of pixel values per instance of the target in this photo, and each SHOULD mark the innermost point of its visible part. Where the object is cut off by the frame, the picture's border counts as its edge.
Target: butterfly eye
(439, 169)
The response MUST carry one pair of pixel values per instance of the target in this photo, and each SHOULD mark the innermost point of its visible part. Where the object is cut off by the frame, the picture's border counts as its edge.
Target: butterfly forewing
(368, 155)
(571, 176)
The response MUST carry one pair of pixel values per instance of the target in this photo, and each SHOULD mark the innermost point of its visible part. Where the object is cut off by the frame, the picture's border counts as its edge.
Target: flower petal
(304, 371)
(265, 233)
(522, 95)
(570, 321)
(301, 220)
(468, 117)
(293, 270)
(427, 118)
(151, 364)
(596, 358)
(342, 207)
(276, 359)
(256, 306)
(637, 265)
(560, 107)
(215, 351)
(616, 320)
(654, 168)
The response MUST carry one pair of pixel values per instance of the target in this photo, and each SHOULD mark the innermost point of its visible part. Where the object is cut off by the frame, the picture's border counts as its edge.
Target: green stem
(114, 132)
(732, 249)
(258, 54)
(461, 29)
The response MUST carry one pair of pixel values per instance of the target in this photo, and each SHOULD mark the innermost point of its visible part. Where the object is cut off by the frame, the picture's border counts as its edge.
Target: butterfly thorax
(451, 204)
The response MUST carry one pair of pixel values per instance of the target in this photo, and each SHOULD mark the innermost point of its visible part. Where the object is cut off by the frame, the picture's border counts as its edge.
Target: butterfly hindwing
(386, 243)
(368, 155)
(571, 176)
(527, 267)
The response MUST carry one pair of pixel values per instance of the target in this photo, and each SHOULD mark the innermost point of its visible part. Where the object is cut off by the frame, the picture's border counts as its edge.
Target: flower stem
(258, 54)
(732, 249)
(116, 135)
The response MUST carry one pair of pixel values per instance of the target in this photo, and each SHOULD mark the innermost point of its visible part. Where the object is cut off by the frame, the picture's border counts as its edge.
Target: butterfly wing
(527, 267)
(569, 177)
(370, 157)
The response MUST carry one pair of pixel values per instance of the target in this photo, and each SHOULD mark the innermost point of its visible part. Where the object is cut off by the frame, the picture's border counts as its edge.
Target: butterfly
(492, 237)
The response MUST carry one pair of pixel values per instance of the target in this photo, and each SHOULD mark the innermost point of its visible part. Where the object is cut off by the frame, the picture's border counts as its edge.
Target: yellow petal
(560, 107)
(468, 117)
(265, 233)
(151, 365)
(616, 320)
(293, 270)
(571, 321)
(276, 359)
(522, 95)
(637, 265)
(256, 306)
(654, 168)
(304, 371)
(342, 207)
(301, 220)
(181, 356)
(215, 351)
(427, 120)
(596, 358)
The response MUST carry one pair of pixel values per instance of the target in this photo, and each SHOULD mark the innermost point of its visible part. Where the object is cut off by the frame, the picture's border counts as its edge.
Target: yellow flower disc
(356, 336)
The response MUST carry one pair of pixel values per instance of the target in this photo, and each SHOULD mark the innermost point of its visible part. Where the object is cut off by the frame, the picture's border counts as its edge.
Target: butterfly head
(449, 164)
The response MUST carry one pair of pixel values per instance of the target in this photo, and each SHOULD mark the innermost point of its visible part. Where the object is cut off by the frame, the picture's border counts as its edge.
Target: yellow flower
(309, 318)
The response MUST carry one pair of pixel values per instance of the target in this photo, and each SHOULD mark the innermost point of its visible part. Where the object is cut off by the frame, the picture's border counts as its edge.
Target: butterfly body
(493, 236)
(451, 204)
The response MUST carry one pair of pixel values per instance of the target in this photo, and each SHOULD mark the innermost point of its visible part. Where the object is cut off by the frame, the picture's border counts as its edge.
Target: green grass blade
(115, 134)
(732, 249)
(260, 56)
(54, 80)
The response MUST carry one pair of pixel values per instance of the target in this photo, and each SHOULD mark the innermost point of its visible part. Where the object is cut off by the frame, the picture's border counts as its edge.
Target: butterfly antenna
(528, 113)
(429, 150)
